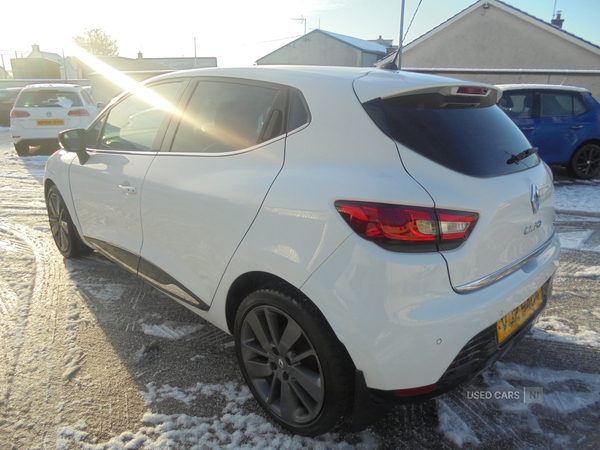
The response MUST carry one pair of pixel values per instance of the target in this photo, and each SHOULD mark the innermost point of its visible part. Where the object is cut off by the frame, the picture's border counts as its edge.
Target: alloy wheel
(282, 365)
(586, 162)
(57, 214)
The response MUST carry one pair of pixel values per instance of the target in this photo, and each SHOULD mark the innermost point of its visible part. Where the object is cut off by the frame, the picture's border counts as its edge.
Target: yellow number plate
(512, 321)
(41, 123)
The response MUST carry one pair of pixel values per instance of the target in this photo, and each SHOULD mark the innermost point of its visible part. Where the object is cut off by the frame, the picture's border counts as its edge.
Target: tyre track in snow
(48, 333)
(28, 382)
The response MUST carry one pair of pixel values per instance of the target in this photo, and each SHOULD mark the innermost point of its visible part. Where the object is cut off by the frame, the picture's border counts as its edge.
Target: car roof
(52, 86)
(373, 82)
(542, 87)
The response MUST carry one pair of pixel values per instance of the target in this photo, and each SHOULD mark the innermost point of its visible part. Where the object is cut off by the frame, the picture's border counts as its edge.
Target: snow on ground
(567, 399)
(574, 240)
(580, 195)
(170, 330)
(553, 328)
(233, 429)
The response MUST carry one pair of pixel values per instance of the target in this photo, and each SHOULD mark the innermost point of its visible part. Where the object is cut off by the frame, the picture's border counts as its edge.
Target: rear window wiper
(515, 159)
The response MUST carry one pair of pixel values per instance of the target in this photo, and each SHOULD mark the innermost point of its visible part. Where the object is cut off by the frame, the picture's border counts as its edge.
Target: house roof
(365, 46)
(512, 10)
(360, 44)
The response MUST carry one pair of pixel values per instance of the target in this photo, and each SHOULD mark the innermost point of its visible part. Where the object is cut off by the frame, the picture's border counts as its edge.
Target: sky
(238, 32)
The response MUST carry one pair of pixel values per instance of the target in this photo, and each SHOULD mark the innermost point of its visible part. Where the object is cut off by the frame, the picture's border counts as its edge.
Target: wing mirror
(74, 141)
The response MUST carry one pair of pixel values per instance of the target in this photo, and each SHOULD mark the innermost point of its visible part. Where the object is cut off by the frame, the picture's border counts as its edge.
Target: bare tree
(97, 42)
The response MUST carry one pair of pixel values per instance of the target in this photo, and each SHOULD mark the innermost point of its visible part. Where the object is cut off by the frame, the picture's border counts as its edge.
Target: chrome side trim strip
(493, 277)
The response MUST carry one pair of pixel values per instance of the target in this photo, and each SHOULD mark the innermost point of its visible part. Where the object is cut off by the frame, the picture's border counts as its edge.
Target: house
(324, 48)
(140, 63)
(104, 87)
(183, 63)
(493, 42)
(387, 43)
(44, 65)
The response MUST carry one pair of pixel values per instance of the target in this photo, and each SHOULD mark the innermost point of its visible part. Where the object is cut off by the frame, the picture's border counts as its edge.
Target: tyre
(63, 231)
(295, 366)
(585, 162)
(22, 149)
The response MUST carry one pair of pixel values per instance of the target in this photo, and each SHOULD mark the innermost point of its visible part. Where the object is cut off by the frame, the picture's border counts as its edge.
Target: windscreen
(462, 133)
(48, 98)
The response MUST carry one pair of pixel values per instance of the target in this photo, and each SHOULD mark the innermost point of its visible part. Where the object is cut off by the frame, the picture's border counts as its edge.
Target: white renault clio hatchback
(368, 237)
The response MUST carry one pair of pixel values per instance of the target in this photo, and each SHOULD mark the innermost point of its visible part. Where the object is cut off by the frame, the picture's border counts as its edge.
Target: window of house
(224, 117)
(133, 123)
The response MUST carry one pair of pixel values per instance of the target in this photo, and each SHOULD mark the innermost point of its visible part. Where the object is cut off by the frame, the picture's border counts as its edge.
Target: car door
(199, 200)
(562, 124)
(106, 187)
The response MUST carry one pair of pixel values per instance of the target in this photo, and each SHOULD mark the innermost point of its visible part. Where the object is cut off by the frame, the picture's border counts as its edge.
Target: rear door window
(517, 105)
(227, 116)
(472, 138)
(560, 104)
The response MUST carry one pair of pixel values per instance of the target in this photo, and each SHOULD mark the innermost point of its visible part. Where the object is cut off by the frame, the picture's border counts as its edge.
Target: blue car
(563, 122)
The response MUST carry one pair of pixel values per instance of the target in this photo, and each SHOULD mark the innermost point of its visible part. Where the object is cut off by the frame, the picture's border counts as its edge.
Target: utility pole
(399, 55)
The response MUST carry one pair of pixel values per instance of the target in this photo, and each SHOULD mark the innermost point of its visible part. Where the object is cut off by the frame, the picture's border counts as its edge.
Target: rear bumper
(33, 136)
(478, 354)
(404, 325)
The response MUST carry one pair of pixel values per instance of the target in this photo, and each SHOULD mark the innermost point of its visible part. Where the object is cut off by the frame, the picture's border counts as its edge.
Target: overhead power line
(411, 21)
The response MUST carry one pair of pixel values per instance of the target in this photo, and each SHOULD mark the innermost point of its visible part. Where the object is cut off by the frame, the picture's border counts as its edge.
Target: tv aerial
(302, 19)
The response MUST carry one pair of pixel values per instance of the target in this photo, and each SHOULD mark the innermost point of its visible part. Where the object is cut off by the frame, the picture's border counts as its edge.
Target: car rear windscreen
(47, 98)
(462, 133)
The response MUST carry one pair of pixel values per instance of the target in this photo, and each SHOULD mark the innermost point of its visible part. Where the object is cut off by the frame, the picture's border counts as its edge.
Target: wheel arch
(247, 283)
(48, 183)
(595, 141)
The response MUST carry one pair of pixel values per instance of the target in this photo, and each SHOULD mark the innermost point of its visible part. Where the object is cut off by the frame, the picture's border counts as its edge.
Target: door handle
(576, 127)
(527, 129)
(127, 189)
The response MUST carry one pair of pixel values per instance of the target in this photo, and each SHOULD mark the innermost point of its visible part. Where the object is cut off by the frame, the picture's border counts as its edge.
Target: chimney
(140, 56)
(557, 21)
(35, 48)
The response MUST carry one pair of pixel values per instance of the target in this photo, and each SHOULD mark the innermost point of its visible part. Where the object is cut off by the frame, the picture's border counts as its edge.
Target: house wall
(493, 38)
(589, 79)
(316, 49)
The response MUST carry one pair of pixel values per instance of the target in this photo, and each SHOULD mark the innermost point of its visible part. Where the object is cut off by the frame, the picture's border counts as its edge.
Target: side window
(299, 114)
(133, 123)
(517, 105)
(93, 133)
(223, 117)
(579, 107)
(560, 105)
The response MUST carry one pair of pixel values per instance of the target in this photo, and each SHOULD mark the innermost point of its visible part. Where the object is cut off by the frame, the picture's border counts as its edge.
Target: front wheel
(585, 162)
(295, 366)
(63, 230)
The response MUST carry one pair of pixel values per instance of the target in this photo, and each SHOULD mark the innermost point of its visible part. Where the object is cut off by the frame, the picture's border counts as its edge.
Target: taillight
(79, 112)
(408, 228)
(472, 90)
(15, 113)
